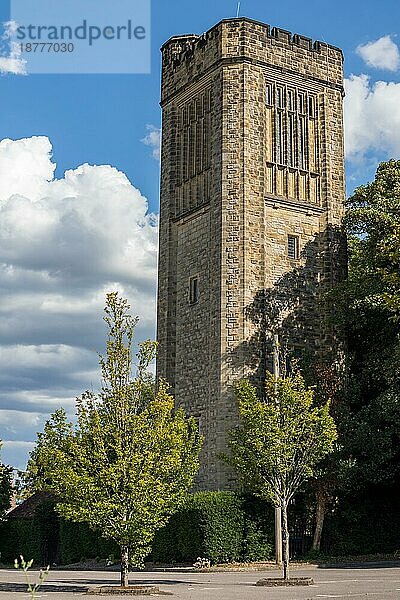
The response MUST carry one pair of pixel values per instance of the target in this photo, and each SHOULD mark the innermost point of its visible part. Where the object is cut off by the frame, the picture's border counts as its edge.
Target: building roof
(27, 508)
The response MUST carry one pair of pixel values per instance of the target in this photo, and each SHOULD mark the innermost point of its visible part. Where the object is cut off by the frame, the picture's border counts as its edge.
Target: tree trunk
(285, 542)
(319, 520)
(278, 536)
(124, 566)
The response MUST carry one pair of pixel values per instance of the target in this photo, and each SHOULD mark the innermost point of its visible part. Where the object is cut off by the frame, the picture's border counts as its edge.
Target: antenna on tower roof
(238, 10)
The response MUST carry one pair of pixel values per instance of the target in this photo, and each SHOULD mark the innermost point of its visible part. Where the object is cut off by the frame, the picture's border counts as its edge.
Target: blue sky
(102, 120)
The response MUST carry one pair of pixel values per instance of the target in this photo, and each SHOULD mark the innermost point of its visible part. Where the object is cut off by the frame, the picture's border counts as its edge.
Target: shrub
(220, 526)
(36, 537)
(258, 539)
(19, 536)
(78, 542)
(210, 525)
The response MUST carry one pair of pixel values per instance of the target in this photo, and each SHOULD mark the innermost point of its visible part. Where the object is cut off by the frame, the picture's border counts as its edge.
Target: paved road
(374, 583)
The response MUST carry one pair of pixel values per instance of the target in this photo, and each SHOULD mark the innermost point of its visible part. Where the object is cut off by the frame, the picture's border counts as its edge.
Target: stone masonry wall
(237, 239)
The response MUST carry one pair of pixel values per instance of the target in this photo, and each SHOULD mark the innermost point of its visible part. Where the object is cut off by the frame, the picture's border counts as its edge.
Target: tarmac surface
(373, 581)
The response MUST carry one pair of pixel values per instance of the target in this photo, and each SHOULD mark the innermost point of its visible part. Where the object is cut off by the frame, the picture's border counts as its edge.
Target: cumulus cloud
(12, 62)
(372, 118)
(64, 243)
(15, 453)
(153, 139)
(381, 54)
(26, 168)
(16, 423)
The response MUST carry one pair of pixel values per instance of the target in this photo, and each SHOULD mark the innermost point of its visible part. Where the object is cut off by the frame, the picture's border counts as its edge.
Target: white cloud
(15, 423)
(15, 453)
(13, 417)
(91, 224)
(26, 168)
(153, 139)
(381, 54)
(43, 401)
(13, 62)
(17, 444)
(57, 357)
(372, 118)
(64, 243)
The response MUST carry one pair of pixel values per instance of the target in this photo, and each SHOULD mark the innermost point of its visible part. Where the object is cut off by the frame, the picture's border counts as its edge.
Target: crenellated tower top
(246, 39)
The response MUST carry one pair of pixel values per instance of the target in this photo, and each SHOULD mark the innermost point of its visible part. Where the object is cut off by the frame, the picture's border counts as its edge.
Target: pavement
(374, 582)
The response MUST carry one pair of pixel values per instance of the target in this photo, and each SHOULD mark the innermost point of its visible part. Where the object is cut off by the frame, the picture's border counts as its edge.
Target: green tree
(5, 487)
(279, 442)
(127, 464)
(368, 308)
(373, 226)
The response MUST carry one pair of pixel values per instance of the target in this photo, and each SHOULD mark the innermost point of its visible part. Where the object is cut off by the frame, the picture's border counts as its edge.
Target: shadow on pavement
(135, 581)
(392, 564)
(22, 587)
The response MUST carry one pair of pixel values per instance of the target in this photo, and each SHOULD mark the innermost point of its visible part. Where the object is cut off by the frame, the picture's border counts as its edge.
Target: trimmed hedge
(19, 536)
(259, 532)
(78, 542)
(210, 525)
(220, 526)
(35, 538)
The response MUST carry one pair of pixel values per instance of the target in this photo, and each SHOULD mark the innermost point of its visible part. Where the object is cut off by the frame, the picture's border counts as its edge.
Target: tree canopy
(373, 225)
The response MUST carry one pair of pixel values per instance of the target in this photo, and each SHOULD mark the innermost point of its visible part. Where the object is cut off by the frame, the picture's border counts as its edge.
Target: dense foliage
(368, 307)
(373, 226)
(36, 536)
(364, 471)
